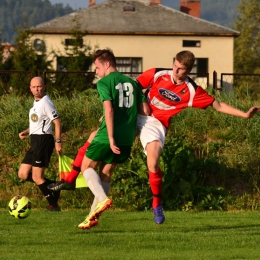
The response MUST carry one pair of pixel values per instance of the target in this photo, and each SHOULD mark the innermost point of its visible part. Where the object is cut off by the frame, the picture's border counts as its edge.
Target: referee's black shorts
(40, 152)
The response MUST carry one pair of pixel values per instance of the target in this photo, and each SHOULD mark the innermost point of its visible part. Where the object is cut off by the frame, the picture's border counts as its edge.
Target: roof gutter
(60, 32)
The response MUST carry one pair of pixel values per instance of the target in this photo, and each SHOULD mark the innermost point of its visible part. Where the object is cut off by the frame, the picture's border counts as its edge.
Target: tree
(247, 49)
(25, 60)
(25, 57)
(77, 54)
(30, 59)
(247, 45)
(76, 57)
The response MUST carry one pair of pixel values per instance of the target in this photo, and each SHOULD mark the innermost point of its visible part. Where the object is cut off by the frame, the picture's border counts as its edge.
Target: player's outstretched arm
(227, 109)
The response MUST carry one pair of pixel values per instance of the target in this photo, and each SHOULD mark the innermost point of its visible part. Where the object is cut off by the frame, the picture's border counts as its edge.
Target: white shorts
(150, 129)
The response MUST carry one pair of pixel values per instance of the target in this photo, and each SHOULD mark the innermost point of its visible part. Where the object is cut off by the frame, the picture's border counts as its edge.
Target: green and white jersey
(125, 95)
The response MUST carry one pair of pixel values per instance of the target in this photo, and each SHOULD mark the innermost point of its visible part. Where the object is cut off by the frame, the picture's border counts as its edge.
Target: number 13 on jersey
(126, 97)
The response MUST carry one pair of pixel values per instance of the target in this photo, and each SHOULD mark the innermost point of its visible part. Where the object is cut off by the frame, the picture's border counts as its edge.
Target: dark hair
(186, 58)
(104, 56)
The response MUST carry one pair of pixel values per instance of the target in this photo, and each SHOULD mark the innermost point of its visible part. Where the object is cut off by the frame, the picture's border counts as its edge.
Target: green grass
(131, 235)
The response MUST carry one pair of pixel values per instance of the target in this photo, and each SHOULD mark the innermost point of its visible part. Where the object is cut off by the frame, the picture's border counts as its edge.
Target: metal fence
(66, 83)
(201, 79)
(61, 82)
(246, 83)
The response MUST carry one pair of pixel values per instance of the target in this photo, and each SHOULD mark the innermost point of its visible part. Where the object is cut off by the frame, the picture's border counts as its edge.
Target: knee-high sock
(106, 187)
(47, 193)
(94, 184)
(155, 179)
(72, 176)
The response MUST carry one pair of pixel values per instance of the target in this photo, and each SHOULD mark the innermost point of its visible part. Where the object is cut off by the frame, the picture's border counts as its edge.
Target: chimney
(191, 7)
(92, 2)
(155, 2)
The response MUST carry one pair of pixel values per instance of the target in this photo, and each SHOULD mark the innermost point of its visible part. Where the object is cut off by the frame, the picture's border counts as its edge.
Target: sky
(75, 4)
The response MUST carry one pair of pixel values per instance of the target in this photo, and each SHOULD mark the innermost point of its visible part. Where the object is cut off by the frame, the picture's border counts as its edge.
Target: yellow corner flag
(65, 166)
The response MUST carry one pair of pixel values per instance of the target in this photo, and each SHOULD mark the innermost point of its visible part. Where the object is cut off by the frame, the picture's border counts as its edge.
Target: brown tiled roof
(140, 18)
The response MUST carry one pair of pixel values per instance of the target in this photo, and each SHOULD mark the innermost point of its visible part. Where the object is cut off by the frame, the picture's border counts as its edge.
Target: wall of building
(158, 51)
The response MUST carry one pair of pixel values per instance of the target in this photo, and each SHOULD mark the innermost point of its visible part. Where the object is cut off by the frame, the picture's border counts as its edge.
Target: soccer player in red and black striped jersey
(171, 91)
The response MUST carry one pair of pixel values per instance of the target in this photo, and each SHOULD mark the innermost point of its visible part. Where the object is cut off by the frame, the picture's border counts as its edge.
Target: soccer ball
(20, 207)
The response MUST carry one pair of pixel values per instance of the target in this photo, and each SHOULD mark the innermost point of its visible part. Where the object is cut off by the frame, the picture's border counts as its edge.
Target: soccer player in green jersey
(121, 97)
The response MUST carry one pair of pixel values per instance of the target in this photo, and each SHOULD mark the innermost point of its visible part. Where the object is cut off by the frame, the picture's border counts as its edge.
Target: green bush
(210, 160)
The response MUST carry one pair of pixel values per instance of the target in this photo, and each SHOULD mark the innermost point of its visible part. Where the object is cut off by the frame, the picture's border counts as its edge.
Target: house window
(61, 63)
(129, 64)
(128, 8)
(186, 43)
(74, 42)
(200, 65)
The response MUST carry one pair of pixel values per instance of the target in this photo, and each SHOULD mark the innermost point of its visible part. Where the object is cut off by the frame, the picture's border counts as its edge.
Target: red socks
(72, 176)
(155, 179)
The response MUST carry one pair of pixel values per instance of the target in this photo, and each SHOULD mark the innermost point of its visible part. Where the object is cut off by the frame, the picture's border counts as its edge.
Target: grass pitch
(130, 235)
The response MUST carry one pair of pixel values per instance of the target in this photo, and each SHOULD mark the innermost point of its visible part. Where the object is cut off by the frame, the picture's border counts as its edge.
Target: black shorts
(40, 152)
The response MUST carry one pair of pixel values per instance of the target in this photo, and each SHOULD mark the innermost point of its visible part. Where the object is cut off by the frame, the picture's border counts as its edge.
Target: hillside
(221, 12)
(26, 13)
